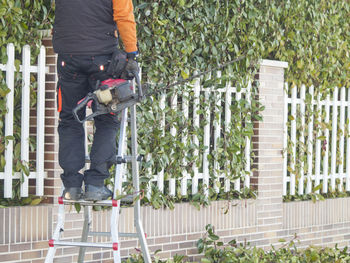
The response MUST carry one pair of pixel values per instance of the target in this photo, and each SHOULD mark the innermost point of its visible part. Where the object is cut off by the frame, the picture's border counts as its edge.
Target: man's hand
(131, 67)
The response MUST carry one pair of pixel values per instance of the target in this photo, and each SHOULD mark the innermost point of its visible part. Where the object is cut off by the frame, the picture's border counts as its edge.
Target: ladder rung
(108, 234)
(82, 244)
(127, 199)
(128, 235)
(127, 159)
(104, 234)
(92, 203)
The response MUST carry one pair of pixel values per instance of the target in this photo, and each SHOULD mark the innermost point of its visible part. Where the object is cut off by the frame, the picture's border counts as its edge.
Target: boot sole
(94, 197)
(74, 197)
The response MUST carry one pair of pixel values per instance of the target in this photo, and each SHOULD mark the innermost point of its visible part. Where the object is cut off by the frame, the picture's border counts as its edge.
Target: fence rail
(26, 69)
(316, 132)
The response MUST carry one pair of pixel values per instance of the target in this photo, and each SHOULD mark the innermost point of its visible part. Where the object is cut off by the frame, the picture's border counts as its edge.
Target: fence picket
(325, 156)
(217, 128)
(310, 144)
(341, 141)
(172, 181)
(40, 153)
(294, 141)
(302, 139)
(228, 99)
(10, 74)
(247, 142)
(318, 145)
(160, 177)
(285, 141)
(206, 142)
(237, 183)
(334, 138)
(195, 137)
(184, 141)
(348, 146)
(25, 116)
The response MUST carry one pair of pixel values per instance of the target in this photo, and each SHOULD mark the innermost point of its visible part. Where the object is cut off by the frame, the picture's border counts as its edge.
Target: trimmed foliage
(178, 38)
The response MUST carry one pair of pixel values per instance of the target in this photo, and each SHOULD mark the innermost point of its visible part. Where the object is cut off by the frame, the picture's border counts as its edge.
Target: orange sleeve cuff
(123, 13)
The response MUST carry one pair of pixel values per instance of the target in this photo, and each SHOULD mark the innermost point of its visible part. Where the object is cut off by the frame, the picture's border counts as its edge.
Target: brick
(49, 147)
(50, 51)
(164, 255)
(10, 257)
(178, 238)
(40, 245)
(50, 95)
(51, 104)
(50, 77)
(155, 248)
(31, 254)
(172, 246)
(194, 236)
(52, 69)
(20, 247)
(130, 243)
(162, 240)
(66, 259)
(178, 252)
(223, 232)
(4, 248)
(51, 61)
(187, 244)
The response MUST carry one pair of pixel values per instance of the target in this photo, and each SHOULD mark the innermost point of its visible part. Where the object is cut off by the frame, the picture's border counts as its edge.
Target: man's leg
(103, 154)
(72, 87)
(103, 151)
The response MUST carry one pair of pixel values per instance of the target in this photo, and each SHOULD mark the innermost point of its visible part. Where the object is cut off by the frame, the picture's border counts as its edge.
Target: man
(85, 36)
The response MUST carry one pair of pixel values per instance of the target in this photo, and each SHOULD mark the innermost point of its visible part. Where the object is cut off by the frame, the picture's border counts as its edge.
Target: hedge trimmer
(114, 95)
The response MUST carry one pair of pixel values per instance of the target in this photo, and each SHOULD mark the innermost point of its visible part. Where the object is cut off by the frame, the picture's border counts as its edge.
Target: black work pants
(77, 75)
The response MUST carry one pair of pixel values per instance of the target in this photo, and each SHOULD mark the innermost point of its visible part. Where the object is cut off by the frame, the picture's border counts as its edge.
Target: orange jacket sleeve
(123, 13)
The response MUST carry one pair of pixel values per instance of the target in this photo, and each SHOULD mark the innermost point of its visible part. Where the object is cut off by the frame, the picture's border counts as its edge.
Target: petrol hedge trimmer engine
(110, 96)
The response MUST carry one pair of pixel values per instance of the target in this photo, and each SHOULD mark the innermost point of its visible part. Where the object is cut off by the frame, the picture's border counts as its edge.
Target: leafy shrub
(215, 251)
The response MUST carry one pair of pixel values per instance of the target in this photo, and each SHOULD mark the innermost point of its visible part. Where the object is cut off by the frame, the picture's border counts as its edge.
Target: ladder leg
(85, 233)
(136, 184)
(114, 233)
(57, 234)
(119, 172)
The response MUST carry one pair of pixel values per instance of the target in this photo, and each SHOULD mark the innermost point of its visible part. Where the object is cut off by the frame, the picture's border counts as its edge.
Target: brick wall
(24, 231)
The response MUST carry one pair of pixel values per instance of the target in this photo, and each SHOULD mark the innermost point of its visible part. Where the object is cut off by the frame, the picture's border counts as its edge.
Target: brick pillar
(53, 181)
(268, 147)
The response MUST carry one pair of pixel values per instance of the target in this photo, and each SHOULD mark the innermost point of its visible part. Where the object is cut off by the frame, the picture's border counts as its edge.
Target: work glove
(131, 67)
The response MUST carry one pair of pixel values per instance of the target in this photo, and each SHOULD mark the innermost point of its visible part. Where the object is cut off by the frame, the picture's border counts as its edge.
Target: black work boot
(96, 193)
(72, 193)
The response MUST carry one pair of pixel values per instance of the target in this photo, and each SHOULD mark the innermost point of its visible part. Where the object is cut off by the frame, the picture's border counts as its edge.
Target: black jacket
(84, 27)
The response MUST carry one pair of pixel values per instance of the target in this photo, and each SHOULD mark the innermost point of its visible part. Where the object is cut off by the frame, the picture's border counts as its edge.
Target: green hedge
(215, 251)
(178, 37)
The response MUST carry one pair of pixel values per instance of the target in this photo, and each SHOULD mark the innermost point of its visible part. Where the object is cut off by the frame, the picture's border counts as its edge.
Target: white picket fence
(191, 100)
(26, 69)
(326, 151)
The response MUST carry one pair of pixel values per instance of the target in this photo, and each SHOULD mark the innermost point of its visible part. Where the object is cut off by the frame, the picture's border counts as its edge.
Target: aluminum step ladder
(114, 203)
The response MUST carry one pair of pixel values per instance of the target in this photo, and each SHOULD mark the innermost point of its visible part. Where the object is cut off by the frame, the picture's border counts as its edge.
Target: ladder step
(120, 159)
(127, 199)
(83, 244)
